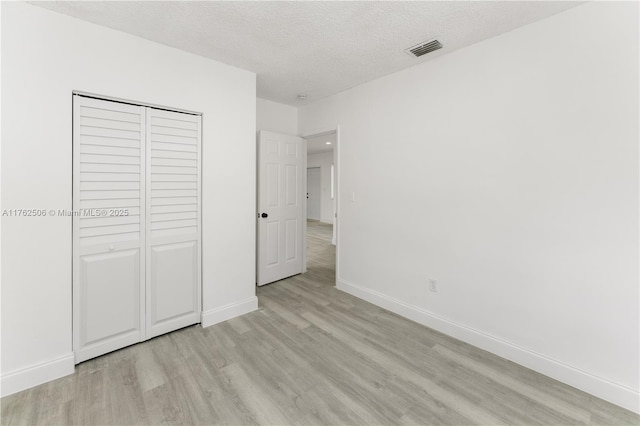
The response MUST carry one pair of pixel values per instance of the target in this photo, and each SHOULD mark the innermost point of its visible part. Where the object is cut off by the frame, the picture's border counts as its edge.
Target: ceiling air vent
(424, 48)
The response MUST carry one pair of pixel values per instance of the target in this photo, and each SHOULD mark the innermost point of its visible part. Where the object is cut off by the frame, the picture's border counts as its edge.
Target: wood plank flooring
(311, 355)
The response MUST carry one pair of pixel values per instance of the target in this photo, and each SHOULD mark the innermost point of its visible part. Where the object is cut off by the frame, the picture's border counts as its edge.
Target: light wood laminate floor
(310, 355)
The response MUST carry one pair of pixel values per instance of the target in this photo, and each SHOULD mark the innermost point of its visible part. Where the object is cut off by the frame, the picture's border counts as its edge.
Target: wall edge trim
(600, 387)
(36, 374)
(229, 311)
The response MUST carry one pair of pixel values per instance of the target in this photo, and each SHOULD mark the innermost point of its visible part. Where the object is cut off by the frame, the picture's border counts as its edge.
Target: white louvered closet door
(108, 245)
(173, 221)
(136, 241)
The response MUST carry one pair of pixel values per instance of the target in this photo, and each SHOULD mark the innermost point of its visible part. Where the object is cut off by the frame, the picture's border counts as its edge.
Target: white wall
(44, 57)
(508, 171)
(324, 161)
(276, 117)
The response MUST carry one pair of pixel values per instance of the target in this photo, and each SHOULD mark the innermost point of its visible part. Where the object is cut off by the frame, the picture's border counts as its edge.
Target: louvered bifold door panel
(108, 226)
(173, 221)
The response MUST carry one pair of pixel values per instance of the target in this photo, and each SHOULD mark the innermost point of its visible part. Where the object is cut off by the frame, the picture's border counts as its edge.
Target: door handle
(264, 215)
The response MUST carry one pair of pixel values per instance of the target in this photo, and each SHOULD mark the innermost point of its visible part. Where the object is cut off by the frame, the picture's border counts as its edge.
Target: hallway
(321, 254)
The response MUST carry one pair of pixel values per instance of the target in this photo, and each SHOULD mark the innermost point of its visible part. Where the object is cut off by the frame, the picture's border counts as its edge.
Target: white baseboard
(232, 310)
(36, 374)
(602, 388)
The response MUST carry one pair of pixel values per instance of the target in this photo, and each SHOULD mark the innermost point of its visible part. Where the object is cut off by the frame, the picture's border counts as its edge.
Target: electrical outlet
(433, 285)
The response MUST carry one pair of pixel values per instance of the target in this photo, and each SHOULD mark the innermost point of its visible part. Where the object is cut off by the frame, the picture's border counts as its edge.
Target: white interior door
(173, 221)
(108, 291)
(314, 194)
(281, 176)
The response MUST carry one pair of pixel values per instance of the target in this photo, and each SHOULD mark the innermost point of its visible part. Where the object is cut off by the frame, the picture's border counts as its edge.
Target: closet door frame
(144, 212)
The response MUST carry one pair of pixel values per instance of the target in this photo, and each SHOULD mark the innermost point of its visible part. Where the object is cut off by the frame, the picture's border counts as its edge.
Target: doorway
(321, 225)
(282, 202)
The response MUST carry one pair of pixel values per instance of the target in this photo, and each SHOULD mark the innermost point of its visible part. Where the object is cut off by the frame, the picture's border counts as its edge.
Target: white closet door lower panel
(174, 295)
(109, 302)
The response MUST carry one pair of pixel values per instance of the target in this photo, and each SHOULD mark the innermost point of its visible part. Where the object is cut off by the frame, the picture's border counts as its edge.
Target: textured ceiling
(313, 47)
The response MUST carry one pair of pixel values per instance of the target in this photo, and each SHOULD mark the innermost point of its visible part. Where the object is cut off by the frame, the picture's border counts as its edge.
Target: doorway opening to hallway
(286, 165)
(322, 202)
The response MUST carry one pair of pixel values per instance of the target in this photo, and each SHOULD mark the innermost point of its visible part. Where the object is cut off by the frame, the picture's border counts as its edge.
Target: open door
(281, 186)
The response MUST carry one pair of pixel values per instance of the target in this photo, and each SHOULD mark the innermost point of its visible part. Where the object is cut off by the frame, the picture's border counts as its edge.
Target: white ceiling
(315, 47)
(318, 144)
